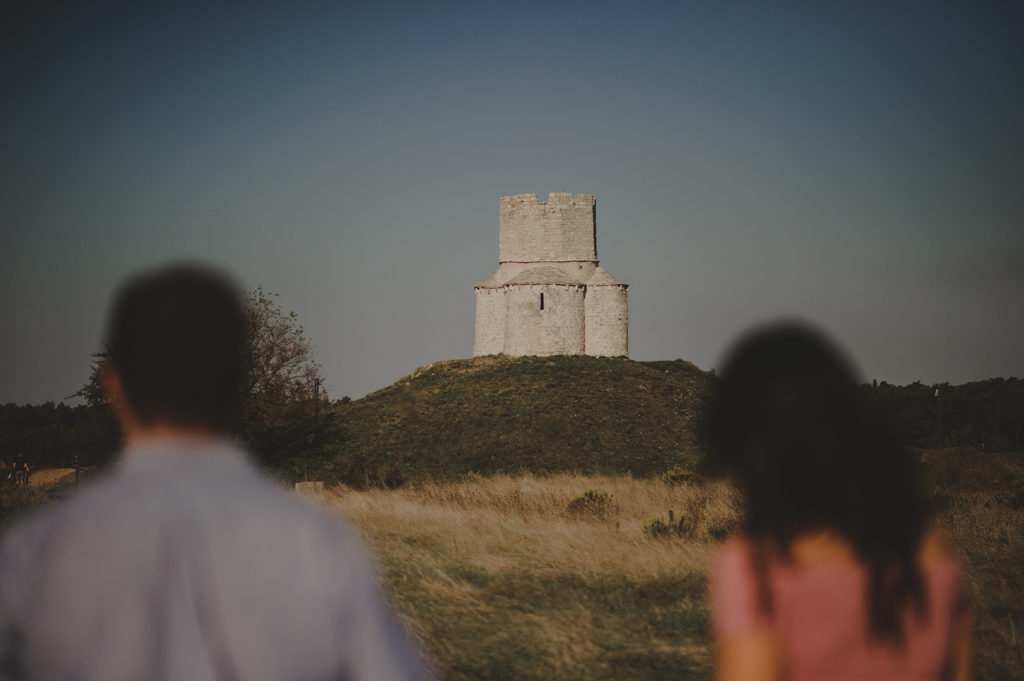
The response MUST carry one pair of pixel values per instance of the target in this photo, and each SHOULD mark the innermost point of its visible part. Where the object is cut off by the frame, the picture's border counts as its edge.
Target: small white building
(549, 297)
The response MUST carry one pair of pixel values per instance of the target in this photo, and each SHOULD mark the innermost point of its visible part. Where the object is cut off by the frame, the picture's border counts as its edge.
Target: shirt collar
(156, 451)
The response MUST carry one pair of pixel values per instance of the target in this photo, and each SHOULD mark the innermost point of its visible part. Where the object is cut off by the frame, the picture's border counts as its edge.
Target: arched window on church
(542, 301)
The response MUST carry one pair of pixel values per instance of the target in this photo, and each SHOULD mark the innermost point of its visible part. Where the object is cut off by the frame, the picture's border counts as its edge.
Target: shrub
(1012, 499)
(718, 533)
(393, 478)
(677, 476)
(657, 528)
(593, 503)
(18, 501)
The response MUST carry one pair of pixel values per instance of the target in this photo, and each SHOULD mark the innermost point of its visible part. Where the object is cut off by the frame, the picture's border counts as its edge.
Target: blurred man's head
(176, 342)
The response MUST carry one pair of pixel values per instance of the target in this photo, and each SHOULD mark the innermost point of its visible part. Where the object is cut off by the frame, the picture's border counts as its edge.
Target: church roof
(544, 275)
(496, 280)
(600, 277)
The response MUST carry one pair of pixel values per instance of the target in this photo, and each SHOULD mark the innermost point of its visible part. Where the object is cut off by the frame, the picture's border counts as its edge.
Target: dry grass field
(531, 577)
(980, 503)
(508, 578)
(501, 580)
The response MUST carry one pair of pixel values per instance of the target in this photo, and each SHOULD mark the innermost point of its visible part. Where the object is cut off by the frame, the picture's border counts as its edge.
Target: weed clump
(18, 501)
(657, 528)
(677, 476)
(593, 503)
(393, 477)
(719, 534)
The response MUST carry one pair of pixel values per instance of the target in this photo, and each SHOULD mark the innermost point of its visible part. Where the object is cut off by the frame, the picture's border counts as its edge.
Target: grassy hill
(499, 414)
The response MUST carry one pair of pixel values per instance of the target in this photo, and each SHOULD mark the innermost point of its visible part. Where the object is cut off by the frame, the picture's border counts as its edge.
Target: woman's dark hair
(788, 422)
(177, 336)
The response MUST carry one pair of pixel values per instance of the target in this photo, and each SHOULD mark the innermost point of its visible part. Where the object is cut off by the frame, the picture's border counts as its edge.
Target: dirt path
(47, 477)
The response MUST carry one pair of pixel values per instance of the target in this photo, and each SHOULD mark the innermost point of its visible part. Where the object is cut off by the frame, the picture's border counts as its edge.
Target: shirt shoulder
(210, 503)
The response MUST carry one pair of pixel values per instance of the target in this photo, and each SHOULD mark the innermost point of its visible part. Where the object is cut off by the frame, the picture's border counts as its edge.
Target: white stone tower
(549, 297)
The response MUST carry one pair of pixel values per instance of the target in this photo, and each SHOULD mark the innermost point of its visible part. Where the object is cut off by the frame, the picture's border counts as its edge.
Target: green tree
(284, 382)
(92, 391)
(283, 385)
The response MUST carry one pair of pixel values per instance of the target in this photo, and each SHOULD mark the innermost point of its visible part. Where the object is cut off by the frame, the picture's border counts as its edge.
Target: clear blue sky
(858, 166)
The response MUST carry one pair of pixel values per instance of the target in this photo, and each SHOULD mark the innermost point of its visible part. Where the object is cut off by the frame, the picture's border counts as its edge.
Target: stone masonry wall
(558, 329)
(607, 321)
(550, 249)
(560, 229)
(489, 337)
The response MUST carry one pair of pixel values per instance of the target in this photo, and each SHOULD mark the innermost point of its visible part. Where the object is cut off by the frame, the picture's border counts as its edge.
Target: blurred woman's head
(788, 422)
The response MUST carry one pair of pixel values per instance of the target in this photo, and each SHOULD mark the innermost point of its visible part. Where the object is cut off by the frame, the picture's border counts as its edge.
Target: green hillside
(500, 414)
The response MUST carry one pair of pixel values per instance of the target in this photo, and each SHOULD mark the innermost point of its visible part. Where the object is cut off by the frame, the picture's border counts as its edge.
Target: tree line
(283, 412)
(986, 415)
(286, 421)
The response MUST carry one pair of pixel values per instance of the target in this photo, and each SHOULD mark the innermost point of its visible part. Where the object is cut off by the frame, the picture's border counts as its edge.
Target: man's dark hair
(177, 338)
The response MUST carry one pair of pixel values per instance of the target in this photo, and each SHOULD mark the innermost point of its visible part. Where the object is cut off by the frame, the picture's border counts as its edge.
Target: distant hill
(501, 414)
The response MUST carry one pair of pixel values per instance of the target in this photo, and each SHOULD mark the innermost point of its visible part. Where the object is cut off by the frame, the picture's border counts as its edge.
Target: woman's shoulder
(736, 544)
(826, 548)
(935, 549)
(832, 549)
(734, 590)
(808, 550)
(735, 558)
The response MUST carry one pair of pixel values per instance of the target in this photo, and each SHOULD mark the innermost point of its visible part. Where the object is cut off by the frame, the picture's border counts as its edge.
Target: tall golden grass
(524, 522)
(499, 579)
(980, 501)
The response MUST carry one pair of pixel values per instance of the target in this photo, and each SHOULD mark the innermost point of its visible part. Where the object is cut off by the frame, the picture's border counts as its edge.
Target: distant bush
(940, 502)
(16, 501)
(657, 528)
(677, 476)
(393, 477)
(1012, 499)
(719, 533)
(593, 503)
(359, 473)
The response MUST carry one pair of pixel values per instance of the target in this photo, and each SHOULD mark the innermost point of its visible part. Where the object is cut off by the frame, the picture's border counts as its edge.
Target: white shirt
(186, 563)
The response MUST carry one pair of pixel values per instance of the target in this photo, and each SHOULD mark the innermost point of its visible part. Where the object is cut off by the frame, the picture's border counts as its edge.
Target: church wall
(489, 337)
(607, 321)
(562, 228)
(557, 329)
(541, 243)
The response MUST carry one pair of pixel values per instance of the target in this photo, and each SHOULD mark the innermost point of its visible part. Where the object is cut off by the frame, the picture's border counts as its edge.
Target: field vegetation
(514, 578)
(562, 576)
(503, 415)
(544, 517)
(979, 500)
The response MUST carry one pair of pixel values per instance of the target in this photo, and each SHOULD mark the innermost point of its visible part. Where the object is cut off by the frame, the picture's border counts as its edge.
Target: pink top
(819, 616)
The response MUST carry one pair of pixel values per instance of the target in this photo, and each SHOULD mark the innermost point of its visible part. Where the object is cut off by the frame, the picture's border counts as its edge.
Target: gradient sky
(861, 167)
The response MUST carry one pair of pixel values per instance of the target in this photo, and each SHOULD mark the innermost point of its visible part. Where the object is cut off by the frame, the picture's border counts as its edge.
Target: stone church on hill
(549, 297)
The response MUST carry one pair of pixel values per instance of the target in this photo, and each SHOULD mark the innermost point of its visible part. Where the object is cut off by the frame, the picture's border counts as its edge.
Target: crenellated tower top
(561, 229)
